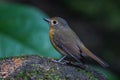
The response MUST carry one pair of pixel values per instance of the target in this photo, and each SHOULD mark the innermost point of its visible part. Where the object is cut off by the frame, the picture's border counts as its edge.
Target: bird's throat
(51, 33)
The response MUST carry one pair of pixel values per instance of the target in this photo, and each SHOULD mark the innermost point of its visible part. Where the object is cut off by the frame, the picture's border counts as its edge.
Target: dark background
(96, 22)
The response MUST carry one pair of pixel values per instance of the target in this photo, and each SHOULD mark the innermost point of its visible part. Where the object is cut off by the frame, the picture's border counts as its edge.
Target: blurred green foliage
(24, 32)
(106, 11)
(106, 73)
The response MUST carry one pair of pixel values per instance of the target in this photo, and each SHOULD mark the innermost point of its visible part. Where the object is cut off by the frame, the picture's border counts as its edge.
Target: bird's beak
(46, 19)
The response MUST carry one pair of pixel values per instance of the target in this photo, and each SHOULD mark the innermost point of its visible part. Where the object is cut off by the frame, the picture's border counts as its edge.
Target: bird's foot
(61, 62)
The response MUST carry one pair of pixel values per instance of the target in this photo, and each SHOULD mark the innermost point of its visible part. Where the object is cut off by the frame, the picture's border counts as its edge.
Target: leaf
(24, 32)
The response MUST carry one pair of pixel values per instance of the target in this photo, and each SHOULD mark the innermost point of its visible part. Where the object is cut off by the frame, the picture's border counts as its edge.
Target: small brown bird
(65, 40)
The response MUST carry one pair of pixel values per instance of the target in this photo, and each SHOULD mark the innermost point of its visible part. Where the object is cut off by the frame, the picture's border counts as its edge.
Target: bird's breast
(52, 37)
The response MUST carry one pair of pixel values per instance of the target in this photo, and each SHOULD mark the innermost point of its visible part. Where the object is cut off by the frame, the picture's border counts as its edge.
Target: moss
(87, 73)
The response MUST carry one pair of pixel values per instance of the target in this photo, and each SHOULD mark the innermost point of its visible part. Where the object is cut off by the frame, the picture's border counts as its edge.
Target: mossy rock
(39, 68)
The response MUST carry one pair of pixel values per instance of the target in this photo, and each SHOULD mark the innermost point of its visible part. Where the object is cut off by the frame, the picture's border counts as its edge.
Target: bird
(67, 43)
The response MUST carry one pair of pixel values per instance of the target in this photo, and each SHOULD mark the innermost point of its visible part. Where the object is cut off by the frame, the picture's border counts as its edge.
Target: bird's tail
(94, 57)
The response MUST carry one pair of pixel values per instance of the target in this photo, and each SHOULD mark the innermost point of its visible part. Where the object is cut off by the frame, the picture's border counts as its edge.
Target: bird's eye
(54, 22)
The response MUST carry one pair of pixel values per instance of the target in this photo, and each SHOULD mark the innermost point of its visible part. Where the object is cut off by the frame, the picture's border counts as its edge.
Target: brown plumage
(65, 40)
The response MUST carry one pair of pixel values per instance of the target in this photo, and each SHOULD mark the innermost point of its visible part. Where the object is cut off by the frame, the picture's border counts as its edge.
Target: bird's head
(57, 22)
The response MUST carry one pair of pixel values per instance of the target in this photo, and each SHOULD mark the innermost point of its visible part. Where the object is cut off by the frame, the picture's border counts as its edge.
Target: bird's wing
(70, 48)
